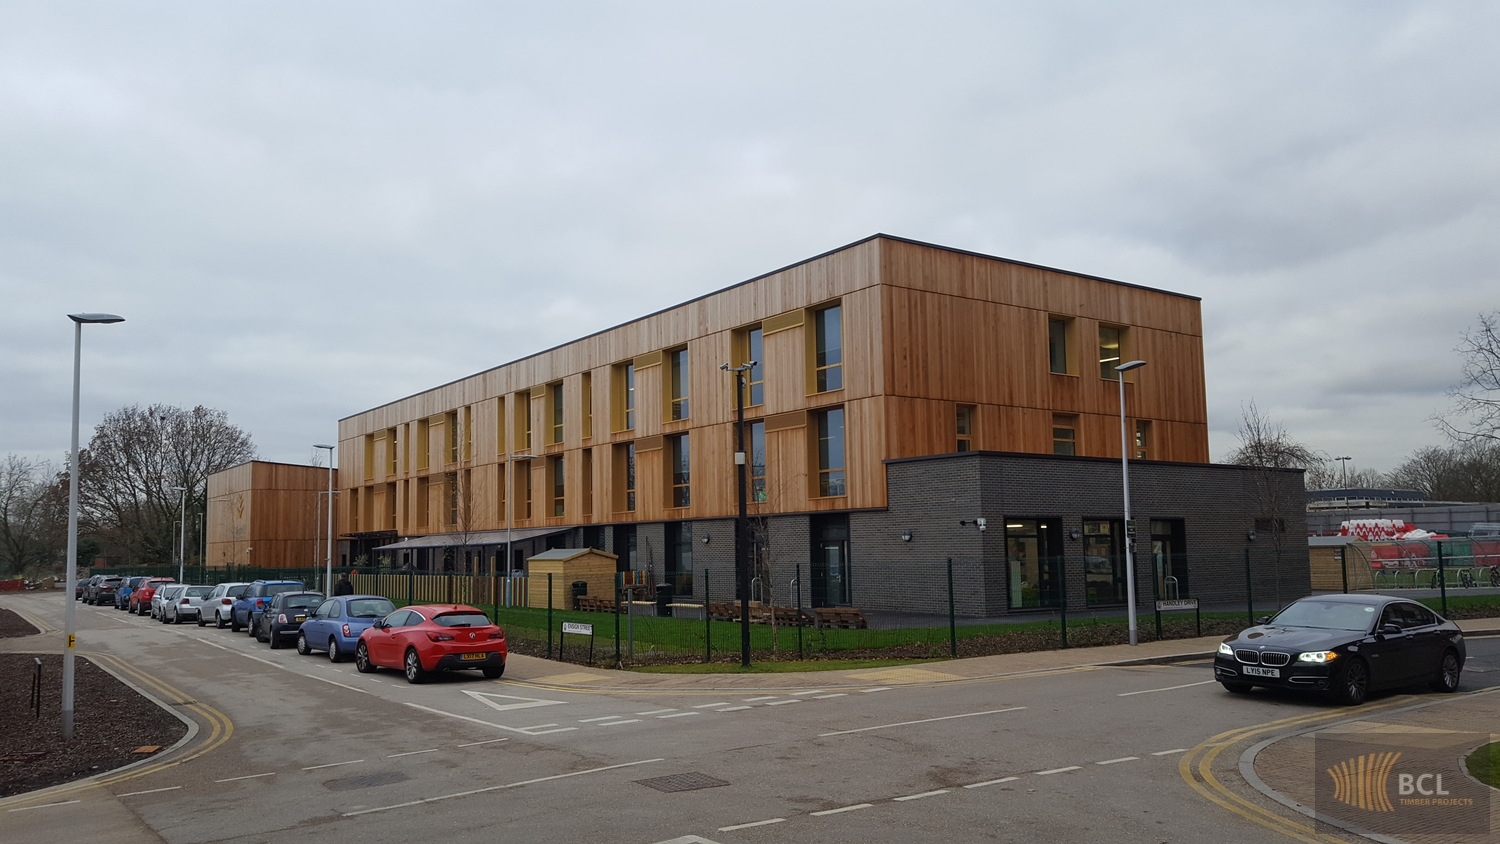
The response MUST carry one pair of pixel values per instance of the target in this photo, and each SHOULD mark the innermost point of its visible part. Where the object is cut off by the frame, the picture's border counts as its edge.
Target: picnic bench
(841, 618)
(596, 603)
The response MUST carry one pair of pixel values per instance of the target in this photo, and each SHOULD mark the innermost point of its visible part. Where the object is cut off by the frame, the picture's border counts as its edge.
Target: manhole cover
(366, 781)
(682, 782)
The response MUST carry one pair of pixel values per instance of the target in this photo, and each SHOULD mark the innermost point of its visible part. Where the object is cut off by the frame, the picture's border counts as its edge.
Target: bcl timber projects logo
(1400, 780)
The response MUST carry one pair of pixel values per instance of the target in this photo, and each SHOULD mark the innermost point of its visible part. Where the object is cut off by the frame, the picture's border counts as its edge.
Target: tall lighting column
(181, 533)
(1344, 482)
(70, 614)
(328, 555)
(1125, 480)
(741, 555)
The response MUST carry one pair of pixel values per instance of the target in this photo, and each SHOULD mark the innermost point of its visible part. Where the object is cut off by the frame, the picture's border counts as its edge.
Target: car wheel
(1354, 686)
(414, 672)
(362, 662)
(494, 673)
(202, 622)
(258, 633)
(334, 655)
(302, 647)
(1448, 671)
(234, 625)
(219, 621)
(1237, 688)
(176, 618)
(274, 640)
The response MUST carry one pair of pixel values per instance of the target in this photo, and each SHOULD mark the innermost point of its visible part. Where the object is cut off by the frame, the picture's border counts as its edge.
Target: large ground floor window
(1104, 561)
(1033, 562)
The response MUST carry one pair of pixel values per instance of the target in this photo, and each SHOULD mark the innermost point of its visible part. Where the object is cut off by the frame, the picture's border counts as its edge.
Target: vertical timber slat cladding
(266, 514)
(922, 328)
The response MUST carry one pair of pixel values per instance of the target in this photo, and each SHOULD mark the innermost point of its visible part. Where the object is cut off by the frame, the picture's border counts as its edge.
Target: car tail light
(226, 601)
(347, 633)
(183, 602)
(440, 637)
(498, 634)
(281, 618)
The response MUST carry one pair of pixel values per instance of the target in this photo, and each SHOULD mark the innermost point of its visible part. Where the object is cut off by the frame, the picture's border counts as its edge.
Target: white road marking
(601, 718)
(1167, 689)
(478, 743)
(751, 824)
(656, 712)
(732, 708)
(335, 683)
(703, 706)
(500, 787)
(688, 839)
(250, 777)
(538, 730)
(43, 806)
(840, 811)
(923, 721)
(808, 692)
(783, 702)
(876, 689)
(410, 753)
(920, 796)
(758, 699)
(618, 723)
(525, 702)
(151, 791)
(333, 765)
(1121, 759)
(835, 694)
(1170, 752)
(991, 782)
(679, 714)
(1056, 771)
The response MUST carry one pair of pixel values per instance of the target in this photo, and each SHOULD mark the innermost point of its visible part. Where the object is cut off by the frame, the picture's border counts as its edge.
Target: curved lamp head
(1126, 367)
(321, 445)
(90, 319)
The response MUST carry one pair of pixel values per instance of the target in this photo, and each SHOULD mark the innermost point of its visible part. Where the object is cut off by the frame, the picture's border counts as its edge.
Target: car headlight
(1318, 657)
(1225, 649)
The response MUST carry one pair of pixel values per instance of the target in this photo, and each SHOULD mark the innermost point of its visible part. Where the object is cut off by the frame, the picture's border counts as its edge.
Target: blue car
(337, 622)
(247, 610)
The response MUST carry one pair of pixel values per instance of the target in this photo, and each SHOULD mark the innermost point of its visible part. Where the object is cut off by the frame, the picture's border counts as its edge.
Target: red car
(140, 597)
(421, 640)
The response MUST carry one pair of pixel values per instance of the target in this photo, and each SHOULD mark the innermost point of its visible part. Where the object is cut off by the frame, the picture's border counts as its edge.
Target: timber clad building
(899, 388)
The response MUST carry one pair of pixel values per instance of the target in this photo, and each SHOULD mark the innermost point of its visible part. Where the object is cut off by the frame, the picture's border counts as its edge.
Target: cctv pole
(741, 557)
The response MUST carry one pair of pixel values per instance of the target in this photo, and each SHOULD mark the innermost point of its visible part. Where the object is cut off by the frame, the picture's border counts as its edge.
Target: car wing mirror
(1390, 629)
(1265, 619)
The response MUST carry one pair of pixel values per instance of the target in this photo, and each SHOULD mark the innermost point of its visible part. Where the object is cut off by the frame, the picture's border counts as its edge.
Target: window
(831, 452)
(682, 495)
(369, 442)
(450, 422)
(588, 405)
(757, 436)
(1111, 351)
(624, 477)
(1034, 556)
(555, 402)
(1142, 439)
(522, 410)
(450, 483)
(424, 497)
(500, 427)
(1058, 330)
(1104, 561)
(1064, 434)
(624, 397)
(965, 427)
(588, 484)
(555, 471)
(752, 348)
(679, 541)
(390, 508)
(677, 384)
(828, 349)
(391, 444)
(423, 432)
(523, 478)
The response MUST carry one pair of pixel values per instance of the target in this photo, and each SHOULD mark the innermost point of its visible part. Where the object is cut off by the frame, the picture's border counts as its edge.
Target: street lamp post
(70, 614)
(741, 555)
(1125, 481)
(1344, 482)
(181, 533)
(510, 517)
(328, 557)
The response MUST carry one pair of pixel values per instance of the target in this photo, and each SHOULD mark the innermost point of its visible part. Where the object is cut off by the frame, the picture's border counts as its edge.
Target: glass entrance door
(830, 562)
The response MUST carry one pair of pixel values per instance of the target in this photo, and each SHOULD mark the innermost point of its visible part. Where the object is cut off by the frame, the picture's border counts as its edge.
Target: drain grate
(682, 782)
(366, 781)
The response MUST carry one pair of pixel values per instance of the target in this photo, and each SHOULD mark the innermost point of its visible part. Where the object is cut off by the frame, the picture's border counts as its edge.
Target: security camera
(980, 522)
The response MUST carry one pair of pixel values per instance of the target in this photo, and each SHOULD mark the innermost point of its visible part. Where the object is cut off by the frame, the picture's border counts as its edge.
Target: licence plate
(1256, 671)
(300, 618)
(472, 657)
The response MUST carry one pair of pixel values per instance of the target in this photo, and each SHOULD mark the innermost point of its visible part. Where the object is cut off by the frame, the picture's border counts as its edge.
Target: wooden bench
(595, 603)
(840, 618)
(723, 611)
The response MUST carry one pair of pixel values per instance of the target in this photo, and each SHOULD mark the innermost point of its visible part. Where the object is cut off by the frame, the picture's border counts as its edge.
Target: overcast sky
(260, 188)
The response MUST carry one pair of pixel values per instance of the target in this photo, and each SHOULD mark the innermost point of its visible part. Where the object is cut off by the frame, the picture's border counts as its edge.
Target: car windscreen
(370, 608)
(1327, 615)
(278, 588)
(462, 619)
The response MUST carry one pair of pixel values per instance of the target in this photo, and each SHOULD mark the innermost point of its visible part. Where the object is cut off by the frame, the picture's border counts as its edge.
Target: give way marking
(492, 700)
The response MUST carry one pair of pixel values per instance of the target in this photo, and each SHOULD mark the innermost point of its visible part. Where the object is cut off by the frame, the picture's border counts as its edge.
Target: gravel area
(110, 720)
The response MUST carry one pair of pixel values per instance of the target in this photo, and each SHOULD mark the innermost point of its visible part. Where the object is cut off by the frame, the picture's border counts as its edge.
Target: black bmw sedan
(1345, 646)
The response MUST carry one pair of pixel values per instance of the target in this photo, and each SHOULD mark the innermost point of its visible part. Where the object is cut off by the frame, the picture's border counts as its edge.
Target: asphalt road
(291, 745)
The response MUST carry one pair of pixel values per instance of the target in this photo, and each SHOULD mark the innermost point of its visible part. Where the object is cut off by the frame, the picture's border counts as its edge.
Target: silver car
(185, 604)
(164, 593)
(218, 605)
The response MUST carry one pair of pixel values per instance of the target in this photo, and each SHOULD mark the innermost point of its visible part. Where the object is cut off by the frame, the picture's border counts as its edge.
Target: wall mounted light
(706, 538)
(1250, 536)
(905, 536)
(1075, 534)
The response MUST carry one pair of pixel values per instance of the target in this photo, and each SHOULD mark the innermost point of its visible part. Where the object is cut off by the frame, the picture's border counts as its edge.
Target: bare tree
(33, 514)
(1271, 452)
(1466, 471)
(1328, 474)
(134, 460)
(1476, 401)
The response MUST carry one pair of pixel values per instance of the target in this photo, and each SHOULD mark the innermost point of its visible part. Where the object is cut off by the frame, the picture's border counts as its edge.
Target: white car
(218, 605)
(186, 604)
(166, 592)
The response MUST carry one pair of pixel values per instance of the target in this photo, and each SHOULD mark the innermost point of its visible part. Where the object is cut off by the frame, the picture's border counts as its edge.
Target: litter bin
(664, 600)
(580, 588)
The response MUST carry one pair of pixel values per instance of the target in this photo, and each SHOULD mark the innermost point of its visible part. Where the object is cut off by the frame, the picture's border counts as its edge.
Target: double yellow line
(219, 730)
(1196, 769)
